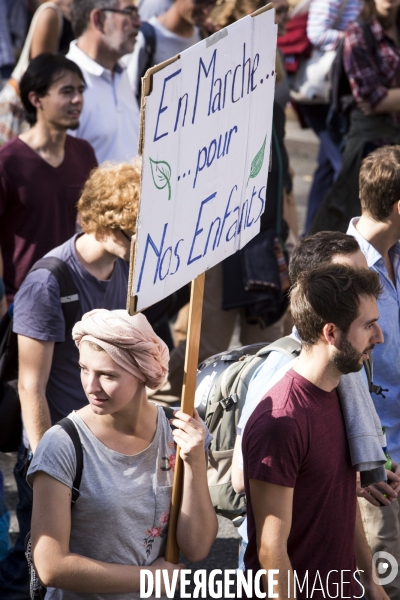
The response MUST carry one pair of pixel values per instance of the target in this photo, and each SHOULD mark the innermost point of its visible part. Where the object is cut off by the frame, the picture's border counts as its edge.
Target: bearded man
(302, 512)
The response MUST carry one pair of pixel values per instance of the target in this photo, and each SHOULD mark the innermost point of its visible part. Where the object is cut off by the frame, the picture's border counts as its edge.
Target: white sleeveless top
(23, 61)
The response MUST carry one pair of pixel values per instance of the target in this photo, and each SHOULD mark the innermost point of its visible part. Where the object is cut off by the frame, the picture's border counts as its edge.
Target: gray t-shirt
(121, 515)
(168, 44)
(38, 315)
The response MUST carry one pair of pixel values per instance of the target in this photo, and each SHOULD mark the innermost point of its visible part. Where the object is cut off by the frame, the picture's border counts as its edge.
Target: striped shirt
(328, 18)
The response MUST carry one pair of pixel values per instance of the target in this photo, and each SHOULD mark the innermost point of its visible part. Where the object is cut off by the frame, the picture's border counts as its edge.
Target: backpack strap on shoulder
(373, 389)
(69, 296)
(69, 427)
(367, 364)
(286, 345)
(169, 413)
(149, 35)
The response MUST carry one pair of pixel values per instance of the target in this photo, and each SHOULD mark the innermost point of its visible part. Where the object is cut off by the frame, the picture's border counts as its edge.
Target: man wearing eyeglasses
(105, 31)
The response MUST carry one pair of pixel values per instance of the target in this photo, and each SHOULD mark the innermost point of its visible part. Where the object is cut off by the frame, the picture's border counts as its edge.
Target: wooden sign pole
(187, 406)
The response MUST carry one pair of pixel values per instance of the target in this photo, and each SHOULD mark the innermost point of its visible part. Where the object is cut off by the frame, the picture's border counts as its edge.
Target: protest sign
(205, 142)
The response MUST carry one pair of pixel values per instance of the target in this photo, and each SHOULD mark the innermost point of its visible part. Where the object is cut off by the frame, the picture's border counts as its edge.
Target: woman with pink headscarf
(119, 523)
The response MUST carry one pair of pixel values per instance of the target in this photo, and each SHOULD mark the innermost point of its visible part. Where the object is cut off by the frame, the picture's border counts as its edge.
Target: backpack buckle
(75, 493)
(227, 402)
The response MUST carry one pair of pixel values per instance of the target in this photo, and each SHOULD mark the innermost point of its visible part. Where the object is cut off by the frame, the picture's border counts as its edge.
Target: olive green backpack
(222, 386)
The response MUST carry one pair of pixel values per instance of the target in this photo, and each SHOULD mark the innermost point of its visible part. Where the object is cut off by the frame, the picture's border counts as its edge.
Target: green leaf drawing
(161, 173)
(257, 162)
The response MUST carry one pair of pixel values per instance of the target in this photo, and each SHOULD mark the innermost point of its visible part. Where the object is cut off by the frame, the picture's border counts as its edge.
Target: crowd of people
(317, 450)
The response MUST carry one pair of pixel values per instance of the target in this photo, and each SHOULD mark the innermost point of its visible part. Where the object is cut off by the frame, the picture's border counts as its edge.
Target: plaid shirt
(371, 75)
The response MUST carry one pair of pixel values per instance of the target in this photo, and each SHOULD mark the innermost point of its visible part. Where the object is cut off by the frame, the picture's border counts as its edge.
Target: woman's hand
(171, 568)
(197, 522)
(190, 434)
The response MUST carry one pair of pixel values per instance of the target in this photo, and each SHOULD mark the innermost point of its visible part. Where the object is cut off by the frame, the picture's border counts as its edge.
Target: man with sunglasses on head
(106, 30)
(171, 33)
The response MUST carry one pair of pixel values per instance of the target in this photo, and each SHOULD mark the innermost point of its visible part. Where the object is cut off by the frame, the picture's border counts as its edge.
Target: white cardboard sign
(206, 147)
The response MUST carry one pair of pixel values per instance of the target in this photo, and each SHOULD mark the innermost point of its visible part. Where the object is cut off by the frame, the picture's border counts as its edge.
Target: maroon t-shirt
(38, 204)
(296, 438)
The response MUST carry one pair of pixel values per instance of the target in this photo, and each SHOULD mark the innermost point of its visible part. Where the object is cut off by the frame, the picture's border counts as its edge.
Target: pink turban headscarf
(130, 341)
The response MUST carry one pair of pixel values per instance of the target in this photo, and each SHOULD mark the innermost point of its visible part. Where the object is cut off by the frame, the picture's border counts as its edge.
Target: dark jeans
(14, 574)
(329, 158)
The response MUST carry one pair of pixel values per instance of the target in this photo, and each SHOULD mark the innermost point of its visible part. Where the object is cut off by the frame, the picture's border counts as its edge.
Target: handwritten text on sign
(206, 150)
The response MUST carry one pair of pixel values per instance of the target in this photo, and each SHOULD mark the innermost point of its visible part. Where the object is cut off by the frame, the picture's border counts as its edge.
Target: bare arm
(237, 472)
(390, 103)
(197, 522)
(272, 509)
(373, 591)
(56, 565)
(45, 36)
(34, 360)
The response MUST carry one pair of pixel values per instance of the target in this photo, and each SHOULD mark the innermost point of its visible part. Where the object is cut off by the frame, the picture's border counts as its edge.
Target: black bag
(10, 409)
(254, 277)
(36, 589)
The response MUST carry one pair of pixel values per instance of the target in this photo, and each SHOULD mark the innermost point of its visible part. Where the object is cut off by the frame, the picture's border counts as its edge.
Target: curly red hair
(110, 198)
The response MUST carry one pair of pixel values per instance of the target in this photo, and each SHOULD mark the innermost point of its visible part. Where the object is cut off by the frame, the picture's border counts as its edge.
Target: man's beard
(346, 358)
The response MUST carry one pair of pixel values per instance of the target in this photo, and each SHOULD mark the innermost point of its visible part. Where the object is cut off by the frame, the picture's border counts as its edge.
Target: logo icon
(161, 173)
(382, 561)
(257, 162)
